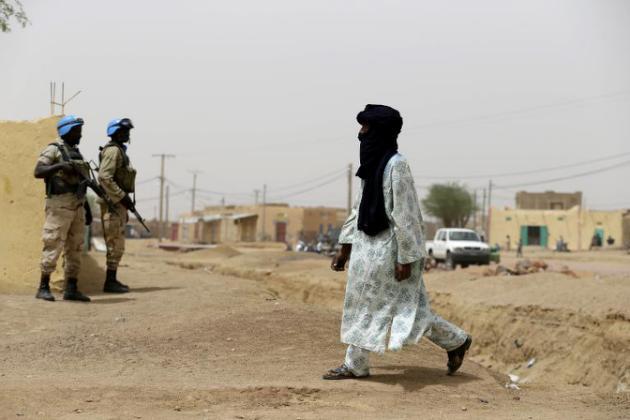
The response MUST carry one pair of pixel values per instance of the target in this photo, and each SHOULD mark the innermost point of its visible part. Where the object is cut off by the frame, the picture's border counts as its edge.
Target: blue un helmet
(66, 123)
(117, 124)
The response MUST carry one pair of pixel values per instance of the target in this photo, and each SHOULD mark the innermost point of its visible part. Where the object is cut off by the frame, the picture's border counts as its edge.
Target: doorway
(535, 235)
(281, 231)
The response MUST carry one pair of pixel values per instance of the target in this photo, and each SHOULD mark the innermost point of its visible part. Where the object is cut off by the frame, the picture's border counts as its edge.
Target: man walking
(384, 240)
(118, 178)
(67, 211)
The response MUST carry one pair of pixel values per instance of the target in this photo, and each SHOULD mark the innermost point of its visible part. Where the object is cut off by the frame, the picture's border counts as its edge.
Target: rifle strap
(64, 152)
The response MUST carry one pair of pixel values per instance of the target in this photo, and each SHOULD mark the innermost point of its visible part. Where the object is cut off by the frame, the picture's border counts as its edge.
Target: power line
(520, 111)
(211, 192)
(158, 197)
(174, 184)
(478, 118)
(323, 184)
(533, 171)
(146, 181)
(564, 178)
(310, 181)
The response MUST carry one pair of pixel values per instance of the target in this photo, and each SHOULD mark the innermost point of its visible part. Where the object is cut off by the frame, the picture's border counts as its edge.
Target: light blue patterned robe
(375, 301)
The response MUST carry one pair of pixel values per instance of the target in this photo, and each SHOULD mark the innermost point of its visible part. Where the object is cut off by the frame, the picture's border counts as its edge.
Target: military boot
(72, 291)
(44, 289)
(112, 285)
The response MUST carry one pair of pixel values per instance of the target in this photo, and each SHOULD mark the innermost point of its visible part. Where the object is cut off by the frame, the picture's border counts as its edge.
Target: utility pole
(162, 157)
(168, 199)
(194, 189)
(256, 192)
(483, 214)
(488, 219)
(349, 188)
(264, 211)
(475, 210)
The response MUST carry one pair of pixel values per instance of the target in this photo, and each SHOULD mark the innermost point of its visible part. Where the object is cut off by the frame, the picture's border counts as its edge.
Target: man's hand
(341, 258)
(403, 271)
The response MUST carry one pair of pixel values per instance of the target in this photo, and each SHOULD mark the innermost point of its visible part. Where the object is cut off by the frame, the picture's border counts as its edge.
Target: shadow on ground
(151, 289)
(414, 378)
(105, 301)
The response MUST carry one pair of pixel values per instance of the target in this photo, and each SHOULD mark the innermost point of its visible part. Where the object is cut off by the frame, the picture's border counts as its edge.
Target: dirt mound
(574, 328)
(22, 206)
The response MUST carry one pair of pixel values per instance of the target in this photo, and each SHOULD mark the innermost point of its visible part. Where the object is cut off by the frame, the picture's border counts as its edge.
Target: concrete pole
(161, 225)
(483, 214)
(194, 191)
(475, 210)
(489, 219)
(264, 211)
(162, 157)
(168, 199)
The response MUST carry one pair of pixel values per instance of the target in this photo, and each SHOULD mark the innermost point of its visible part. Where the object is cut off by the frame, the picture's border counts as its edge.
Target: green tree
(11, 9)
(452, 203)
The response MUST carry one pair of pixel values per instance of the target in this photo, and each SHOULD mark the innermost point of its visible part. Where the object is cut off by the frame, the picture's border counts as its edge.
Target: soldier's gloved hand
(88, 214)
(67, 167)
(126, 201)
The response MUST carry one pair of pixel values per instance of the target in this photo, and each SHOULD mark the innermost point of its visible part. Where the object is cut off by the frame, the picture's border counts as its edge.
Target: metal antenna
(64, 101)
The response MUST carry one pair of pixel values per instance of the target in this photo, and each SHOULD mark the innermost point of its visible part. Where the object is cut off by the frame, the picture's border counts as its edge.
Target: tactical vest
(62, 183)
(125, 176)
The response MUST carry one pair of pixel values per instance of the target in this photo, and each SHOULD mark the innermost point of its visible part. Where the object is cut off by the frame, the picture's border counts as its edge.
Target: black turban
(378, 146)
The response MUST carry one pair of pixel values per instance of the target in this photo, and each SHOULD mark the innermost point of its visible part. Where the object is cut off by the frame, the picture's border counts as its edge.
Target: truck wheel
(449, 263)
(464, 265)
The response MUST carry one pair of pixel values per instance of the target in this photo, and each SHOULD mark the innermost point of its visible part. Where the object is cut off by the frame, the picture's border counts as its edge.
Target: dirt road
(188, 343)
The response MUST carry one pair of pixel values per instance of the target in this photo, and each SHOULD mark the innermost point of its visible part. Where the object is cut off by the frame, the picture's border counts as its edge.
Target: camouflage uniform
(117, 177)
(65, 217)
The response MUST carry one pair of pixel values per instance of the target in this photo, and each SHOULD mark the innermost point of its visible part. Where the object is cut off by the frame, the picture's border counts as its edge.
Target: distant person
(561, 245)
(386, 304)
(610, 241)
(118, 179)
(508, 243)
(67, 211)
(519, 249)
(596, 241)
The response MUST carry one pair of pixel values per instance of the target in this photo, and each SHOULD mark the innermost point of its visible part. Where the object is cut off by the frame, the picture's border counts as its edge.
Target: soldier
(117, 177)
(67, 211)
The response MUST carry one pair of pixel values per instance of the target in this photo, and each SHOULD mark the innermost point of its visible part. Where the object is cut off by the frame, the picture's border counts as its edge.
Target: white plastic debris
(531, 362)
(99, 244)
(514, 378)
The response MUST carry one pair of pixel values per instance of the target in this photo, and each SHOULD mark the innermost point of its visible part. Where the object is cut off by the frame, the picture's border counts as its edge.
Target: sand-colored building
(277, 222)
(545, 227)
(548, 200)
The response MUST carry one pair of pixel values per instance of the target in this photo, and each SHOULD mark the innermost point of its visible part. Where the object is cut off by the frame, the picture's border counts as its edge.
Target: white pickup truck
(458, 247)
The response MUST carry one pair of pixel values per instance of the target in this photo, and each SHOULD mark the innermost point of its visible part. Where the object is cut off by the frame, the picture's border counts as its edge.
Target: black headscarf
(378, 145)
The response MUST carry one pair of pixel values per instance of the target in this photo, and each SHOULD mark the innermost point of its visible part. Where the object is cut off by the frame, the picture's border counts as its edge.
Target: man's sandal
(456, 357)
(342, 372)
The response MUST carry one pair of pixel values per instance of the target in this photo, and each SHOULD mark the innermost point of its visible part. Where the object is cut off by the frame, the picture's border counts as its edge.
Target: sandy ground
(247, 334)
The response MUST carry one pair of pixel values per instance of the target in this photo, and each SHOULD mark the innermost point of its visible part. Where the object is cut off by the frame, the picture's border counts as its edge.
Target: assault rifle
(131, 206)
